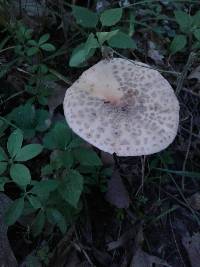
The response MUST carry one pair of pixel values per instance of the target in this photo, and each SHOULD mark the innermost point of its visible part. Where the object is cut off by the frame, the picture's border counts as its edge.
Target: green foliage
(190, 27)
(30, 119)
(28, 152)
(14, 142)
(72, 187)
(58, 137)
(178, 43)
(87, 157)
(48, 168)
(15, 211)
(20, 174)
(115, 37)
(38, 223)
(85, 17)
(55, 217)
(28, 47)
(184, 20)
(84, 51)
(121, 40)
(111, 16)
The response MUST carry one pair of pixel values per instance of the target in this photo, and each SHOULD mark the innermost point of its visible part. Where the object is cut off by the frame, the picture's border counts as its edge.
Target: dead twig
(181, 78)
(175, 241)
(187, 152)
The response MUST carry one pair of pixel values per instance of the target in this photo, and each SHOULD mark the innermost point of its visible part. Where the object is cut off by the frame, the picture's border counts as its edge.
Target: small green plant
(56, 196)
(106, 32)
(26, 46)
(189, 27)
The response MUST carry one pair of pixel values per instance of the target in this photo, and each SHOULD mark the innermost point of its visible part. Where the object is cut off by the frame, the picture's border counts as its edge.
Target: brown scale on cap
(128, 108)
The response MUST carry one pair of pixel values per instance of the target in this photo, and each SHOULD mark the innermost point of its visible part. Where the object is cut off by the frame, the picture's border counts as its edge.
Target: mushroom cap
(123, 107)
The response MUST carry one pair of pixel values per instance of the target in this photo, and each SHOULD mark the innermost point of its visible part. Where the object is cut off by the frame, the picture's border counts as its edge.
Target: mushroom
(123, 107)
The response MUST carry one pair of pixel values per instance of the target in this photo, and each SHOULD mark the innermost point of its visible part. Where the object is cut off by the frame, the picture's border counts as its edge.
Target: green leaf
(78, 56)
(28, 152)
(46, 170)
(3, 156)
(20, 174)
(105, 36)
(3, 167)
(58, 137)
(87, 157)
(43, 39)
(43, 188)
(38, 223)
(3, 181)
(61, 159)
(72, 188)
(178, 43)
(15, 142)
(67, 159)
(197, 34)
(90, 43)
(196, 19)
(84, 51)
(85, 17)
(14, 211)
(32, 261)
(111, 16)
(184, 20)
(42, 120)
(48, 47)
(55, 217)
(32, 43)
(24, 117)
(32, 51)
(122, 40)
(35, 202)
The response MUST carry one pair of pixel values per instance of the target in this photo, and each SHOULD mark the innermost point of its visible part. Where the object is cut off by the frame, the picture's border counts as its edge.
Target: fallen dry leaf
(195, 74)
(194, 201)
(154, 53)
(7, 257)
(143, 259)
(117, 194)
(56, 99)
(192, 246)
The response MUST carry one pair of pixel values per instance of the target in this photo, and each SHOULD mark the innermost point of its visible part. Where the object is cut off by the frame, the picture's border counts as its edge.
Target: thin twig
(174, 237)
(7, 48)
(154, 1)
(187, 153)
(190, 92)
(8, 122)
(188, 131)
(12, 96)
(143, 158)
(146, 66)
(181, 78)
(118, 236)
(183, 196)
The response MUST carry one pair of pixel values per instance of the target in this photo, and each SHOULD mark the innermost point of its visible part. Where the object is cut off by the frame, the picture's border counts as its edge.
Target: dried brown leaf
(195, 74)
(57, 97)
(192, 246)
(154, 53)
(143, 259)
(194, 201)
(117, 194)
(7, 257)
